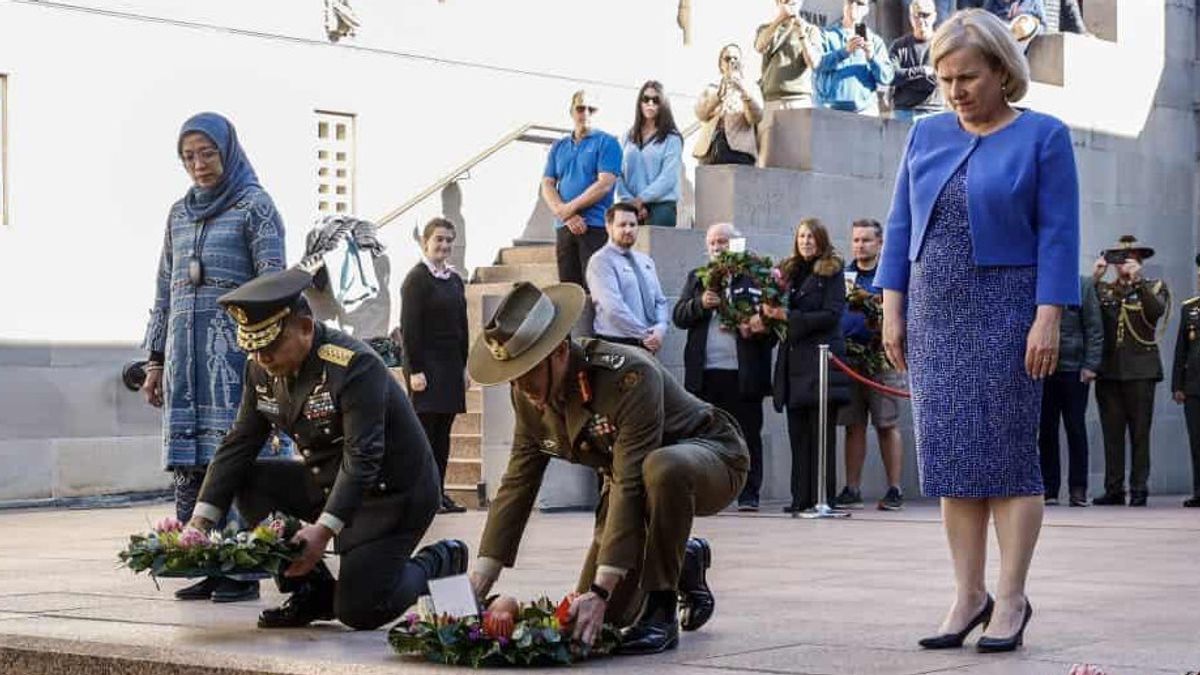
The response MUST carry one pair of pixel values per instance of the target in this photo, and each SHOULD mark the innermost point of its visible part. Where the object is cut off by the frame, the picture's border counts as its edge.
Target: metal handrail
(509, 138)
(453, 175)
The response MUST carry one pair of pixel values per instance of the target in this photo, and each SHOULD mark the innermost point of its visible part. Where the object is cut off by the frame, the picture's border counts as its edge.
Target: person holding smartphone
(854, 63)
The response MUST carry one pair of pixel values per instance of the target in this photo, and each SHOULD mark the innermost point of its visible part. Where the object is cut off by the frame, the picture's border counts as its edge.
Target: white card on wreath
(453, 596)
(737, 245)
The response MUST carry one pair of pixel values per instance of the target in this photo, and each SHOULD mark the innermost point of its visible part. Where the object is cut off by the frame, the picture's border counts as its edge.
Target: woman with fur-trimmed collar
(816, 295)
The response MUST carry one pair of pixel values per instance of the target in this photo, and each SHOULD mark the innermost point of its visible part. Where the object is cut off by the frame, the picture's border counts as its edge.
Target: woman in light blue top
(653, 151)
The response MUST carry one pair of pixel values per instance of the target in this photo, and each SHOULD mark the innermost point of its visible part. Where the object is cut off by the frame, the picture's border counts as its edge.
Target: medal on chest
(318, 407)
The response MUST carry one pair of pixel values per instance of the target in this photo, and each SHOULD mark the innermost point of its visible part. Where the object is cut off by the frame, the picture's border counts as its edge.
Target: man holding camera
(854, 63)
(1130, 369)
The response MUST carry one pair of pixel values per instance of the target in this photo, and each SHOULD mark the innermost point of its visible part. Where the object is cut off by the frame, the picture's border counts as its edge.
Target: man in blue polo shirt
(577, 185)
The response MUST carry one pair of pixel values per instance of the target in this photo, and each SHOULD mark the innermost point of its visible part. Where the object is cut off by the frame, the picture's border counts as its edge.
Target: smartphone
(860, 29)
(1115, 257)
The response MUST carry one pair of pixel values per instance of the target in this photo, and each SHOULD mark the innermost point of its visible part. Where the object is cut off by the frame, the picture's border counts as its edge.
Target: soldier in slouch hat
(665, 457)
(1131, 368)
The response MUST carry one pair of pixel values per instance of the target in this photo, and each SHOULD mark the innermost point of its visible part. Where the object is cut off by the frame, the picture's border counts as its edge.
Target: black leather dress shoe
(1138, 498)
(445, 558)
(300, 609)
(1008, 644)
(450, 506)
(232, 590)
(954, 640)
(696, 602)
(1110, 499)
(201, 590)
(1192, 502)
(649, 637)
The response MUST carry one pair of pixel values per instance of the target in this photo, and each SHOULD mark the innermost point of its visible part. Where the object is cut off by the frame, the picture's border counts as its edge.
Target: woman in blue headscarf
(222, 233)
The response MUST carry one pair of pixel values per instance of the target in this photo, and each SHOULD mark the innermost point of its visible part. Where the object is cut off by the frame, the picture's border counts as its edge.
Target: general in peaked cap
(260, 306)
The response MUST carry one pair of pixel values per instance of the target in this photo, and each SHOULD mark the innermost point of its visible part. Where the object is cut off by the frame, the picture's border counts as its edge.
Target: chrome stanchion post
(822, 509)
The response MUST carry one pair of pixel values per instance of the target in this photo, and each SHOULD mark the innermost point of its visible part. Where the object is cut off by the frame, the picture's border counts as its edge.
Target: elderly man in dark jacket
(730, 369)
(1065, 396)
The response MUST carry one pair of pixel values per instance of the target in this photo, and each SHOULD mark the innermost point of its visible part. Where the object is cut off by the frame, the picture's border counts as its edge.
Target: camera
(1113, 257)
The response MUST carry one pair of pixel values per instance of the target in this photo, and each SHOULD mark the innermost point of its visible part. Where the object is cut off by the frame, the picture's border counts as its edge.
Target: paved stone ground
(1117, 587)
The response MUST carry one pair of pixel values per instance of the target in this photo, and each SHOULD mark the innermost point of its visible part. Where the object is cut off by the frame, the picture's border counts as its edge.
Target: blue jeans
(1064, 397)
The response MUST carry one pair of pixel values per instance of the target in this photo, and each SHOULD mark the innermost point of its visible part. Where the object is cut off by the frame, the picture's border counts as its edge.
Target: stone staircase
(527, 261)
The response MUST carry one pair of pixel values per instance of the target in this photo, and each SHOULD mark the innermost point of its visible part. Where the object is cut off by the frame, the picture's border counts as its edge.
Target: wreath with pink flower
(508, 633)
(171, 550)
(745, 282)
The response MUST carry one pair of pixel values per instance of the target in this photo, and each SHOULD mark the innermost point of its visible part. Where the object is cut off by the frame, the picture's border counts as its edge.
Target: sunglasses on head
(651, 99)
(585, 108)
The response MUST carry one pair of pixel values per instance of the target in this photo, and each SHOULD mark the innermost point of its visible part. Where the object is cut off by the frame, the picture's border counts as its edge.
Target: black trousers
(574, 250)
(802, 432)
(1191, 412)
(378, 579)
(720, 388)
(1126, 407)
(437, 430)
(1064, 397)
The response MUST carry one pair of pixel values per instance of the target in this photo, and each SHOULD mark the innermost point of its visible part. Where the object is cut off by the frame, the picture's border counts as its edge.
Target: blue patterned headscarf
(202, 203)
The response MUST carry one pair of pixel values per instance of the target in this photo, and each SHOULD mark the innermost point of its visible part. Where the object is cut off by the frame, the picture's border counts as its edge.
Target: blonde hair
(982, 30)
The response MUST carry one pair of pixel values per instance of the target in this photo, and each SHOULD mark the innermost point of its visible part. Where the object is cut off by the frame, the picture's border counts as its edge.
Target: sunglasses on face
(585, 108)
(651, 99)
(924, 15)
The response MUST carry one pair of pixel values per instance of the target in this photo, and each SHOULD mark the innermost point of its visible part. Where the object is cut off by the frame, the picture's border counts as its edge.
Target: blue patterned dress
(202, 387)
(975, 410)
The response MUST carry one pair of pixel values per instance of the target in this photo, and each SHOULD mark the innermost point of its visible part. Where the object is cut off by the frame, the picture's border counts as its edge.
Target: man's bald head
(716, 239)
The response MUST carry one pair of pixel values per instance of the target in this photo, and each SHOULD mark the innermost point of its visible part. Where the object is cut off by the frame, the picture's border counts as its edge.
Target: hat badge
(499, 351)
(239, 314)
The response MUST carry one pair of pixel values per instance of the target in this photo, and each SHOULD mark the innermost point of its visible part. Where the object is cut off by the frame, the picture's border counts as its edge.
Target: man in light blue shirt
(628, 298)
(577, 185)
(854, 63)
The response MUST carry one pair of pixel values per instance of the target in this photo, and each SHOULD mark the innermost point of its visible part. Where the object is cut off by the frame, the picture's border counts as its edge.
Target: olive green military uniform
(1185, 377)
(665, 457)
(1129, 372)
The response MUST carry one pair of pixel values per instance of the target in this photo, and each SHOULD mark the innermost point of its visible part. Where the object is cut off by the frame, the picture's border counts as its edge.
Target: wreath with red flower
(507, 634)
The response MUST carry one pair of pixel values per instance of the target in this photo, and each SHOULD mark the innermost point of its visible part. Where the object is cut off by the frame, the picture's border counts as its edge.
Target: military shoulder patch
(607, 361)
(1190, 301)
(335, 354)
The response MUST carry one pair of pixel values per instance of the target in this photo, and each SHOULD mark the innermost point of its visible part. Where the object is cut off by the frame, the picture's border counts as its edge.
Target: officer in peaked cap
(1131, 307)
(665, 457)
(1185, 383)
(367, 478)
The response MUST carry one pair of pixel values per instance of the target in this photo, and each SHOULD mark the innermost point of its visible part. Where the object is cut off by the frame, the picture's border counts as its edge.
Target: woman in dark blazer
(980, 255)
(433, 320)
(816, 295)
(732, 370)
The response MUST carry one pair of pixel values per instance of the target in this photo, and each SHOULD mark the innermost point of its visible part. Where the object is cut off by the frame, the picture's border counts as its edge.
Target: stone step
(467, 423)
(519, 255)
(467, 495)
(474, 400)
(465, 446)
(461, 471)
(538, 273)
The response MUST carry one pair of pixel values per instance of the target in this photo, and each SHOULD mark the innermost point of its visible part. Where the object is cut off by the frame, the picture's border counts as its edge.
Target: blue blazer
(1022, 192)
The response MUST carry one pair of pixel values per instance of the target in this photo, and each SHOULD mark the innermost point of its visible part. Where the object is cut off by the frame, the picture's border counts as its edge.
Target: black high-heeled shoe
(1008, 644)
(953, 640)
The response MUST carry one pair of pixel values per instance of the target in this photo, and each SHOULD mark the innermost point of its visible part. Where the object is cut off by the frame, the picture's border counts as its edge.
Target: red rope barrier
(881, 388)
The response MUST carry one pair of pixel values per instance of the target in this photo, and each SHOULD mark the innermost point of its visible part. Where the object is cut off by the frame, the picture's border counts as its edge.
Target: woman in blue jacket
(981, 253)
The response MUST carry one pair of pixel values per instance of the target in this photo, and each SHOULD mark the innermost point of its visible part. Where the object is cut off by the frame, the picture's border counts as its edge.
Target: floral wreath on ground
(171, 550)
(745, 282)
(508, 633)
